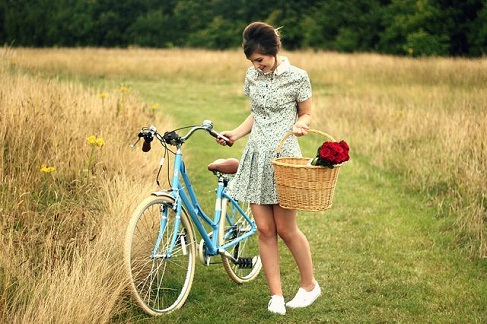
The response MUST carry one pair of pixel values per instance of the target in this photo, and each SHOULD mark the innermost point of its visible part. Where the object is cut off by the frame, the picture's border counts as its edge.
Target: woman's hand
(228, 134)
(300, 128)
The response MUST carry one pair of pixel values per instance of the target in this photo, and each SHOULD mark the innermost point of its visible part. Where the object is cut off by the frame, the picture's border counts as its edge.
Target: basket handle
(279, 148)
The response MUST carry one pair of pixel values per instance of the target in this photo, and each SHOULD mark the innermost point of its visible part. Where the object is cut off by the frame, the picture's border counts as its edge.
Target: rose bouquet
(331, 153)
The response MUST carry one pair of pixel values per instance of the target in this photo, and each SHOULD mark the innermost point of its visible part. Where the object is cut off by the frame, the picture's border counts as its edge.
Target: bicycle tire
(232, 225)
(159, 284)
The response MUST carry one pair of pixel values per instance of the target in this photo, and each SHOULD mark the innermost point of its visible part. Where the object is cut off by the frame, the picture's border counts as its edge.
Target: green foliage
(151, 30)
(477, 36)
(423, 43)
(401, 27)
(416, 28)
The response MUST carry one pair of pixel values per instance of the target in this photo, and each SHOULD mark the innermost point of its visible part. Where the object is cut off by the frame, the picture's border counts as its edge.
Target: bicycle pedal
(245, 263)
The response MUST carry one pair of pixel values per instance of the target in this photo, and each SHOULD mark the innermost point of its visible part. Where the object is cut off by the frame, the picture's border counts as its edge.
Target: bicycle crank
(203, 256)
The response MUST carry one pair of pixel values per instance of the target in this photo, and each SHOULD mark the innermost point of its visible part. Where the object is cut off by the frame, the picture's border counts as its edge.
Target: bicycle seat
(227, 166)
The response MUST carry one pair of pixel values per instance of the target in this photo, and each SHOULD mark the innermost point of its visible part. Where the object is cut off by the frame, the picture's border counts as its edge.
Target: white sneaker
(277, 305)
(305, 298)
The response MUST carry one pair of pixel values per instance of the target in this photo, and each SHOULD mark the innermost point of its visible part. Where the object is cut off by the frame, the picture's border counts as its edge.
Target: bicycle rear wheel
(160, 282)
(246, 252)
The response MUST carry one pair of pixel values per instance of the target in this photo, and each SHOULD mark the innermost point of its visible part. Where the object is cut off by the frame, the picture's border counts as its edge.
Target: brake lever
(135, 143)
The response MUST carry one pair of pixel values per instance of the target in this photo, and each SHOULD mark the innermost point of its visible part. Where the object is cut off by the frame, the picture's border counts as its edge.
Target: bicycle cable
(163, 160)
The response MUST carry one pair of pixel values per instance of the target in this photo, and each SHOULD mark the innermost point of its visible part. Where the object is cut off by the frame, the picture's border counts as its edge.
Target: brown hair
(261, 38)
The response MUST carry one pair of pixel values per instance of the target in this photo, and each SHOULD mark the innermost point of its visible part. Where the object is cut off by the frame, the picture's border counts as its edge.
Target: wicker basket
(302, 186)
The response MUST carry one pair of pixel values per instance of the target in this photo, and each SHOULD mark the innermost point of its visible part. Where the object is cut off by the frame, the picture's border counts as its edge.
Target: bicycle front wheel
(160, 276)
(246, 263)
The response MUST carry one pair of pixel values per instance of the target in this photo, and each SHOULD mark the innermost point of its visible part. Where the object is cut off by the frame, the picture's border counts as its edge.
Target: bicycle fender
(162, 194)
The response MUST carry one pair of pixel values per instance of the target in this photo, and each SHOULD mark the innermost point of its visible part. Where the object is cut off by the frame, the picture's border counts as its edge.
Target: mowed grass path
(380, 253)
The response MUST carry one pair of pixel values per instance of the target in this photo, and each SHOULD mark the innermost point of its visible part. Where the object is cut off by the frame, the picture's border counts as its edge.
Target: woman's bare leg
(296, 241)
(268, 246)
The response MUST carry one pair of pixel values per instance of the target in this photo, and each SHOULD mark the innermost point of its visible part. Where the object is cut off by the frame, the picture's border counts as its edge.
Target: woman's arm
(243, 129)
(304, 117)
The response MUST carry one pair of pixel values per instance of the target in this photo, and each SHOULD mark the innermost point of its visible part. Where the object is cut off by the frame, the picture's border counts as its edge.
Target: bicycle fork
(176, 238)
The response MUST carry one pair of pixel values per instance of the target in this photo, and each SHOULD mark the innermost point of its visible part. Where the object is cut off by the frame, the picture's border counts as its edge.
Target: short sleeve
(304, 88)
(247, 83)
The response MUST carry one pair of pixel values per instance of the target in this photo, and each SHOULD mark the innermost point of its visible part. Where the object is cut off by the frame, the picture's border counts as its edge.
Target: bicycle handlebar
(172, 138)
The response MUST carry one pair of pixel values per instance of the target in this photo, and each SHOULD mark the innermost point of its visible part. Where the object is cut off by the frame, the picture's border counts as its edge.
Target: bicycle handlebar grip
(216, 135)
(146, 146)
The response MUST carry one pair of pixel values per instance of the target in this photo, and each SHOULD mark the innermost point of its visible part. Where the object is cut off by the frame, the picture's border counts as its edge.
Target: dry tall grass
(135, 63)
(61, 230)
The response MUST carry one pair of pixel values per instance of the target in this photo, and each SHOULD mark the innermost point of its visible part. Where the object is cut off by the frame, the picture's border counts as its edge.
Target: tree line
(398, 27)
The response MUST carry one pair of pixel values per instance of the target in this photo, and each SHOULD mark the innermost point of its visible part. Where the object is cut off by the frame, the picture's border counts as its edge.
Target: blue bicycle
(160, 244)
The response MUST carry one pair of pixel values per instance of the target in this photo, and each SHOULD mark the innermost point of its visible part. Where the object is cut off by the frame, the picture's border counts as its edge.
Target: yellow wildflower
(154, 106)
(100, 142)
(125, 89)
(91, 140)
(47, 169)
(94, 141)
(102, 95)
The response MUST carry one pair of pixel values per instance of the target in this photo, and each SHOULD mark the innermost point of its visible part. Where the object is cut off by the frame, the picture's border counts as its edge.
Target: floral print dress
(273, 98)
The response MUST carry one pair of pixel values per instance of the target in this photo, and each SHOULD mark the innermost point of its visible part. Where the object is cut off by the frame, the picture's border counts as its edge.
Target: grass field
(404, 242)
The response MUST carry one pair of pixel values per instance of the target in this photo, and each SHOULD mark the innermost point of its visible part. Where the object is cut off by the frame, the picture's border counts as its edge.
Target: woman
(280, 97)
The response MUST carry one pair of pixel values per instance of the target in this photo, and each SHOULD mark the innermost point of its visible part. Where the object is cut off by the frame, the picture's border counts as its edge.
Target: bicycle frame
(185, 196)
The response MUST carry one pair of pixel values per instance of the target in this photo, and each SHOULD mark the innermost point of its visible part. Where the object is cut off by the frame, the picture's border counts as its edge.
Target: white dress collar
(283, 67)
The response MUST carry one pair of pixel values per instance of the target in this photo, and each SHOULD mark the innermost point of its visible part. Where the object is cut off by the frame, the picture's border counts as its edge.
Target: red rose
(325, 152)
(332, 153)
